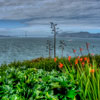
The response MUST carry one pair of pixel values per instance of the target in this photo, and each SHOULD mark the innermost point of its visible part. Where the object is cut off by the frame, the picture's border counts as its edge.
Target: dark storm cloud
(70, 12)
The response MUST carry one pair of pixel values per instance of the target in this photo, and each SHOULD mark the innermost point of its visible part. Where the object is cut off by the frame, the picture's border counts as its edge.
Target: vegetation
(62, 45)
(33, 84)
(54, 31)
(49, 47)
(51, 79)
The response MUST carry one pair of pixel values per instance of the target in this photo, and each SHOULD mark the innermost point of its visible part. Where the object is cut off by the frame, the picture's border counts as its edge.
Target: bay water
(27, 48)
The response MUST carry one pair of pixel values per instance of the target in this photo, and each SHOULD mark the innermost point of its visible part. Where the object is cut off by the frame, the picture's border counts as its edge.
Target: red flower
(85, 58)
(81, 49)
(83, 63)
(81, 59)
(76, 61)
(69, 58)
(55, 59)
(88, 60)
(91, 65)
(61, 65)
(92, 71)
(74, 50)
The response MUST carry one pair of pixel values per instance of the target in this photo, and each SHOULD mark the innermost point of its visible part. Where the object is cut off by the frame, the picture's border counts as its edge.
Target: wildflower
(74, 50)
(92, 71)
(85, 58)
(76, 61)
(55, 59)
(69, 58)
(88, 60)
(81, 59)
(83, 63)
(91, 65)
(81, 49)
(61, 65)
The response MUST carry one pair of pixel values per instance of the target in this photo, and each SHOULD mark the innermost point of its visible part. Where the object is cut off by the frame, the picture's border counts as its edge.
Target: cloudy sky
(33, 17)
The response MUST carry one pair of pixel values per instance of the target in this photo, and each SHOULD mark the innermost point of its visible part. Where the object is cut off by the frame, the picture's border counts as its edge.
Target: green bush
(43, 79)
(33, 84)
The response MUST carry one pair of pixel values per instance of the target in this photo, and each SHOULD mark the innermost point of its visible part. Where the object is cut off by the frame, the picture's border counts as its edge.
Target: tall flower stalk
(53, 27)
(49, 47)
(87, 47)
(81, 49)
(62, 45)
(74, 51)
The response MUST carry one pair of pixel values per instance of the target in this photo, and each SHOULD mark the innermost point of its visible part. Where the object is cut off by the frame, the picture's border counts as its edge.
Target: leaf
(55, 85)
(71, 94)
(15, 97)
(64, 98)
(46, 78)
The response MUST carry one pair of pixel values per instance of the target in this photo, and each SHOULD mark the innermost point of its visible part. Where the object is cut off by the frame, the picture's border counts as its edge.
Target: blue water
(29, 48)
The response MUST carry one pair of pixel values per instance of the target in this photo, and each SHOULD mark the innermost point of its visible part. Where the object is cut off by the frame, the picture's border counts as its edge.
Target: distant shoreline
(52, 37)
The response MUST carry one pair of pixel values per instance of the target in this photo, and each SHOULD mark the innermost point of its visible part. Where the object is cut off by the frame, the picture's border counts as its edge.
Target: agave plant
(54, 31)
(49, 47)
(62, 45)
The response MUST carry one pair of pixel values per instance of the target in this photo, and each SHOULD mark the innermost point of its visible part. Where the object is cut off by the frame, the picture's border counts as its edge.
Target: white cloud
(75, 13)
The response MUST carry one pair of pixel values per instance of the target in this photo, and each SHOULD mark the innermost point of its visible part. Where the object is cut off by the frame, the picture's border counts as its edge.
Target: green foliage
(34, 84)
(42, 79)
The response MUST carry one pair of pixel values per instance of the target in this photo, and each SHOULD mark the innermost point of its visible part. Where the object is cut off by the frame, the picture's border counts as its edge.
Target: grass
(51, 79)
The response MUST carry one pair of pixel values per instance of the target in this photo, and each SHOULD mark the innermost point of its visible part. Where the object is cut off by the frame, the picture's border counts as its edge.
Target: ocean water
(19, 49)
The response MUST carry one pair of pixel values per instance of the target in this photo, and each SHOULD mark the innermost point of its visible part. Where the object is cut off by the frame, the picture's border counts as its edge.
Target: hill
(80, 35)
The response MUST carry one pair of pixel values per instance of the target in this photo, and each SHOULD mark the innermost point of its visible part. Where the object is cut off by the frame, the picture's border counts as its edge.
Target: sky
(33, 17)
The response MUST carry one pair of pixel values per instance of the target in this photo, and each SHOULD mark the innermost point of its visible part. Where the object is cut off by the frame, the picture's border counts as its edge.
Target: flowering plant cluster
(72, 78)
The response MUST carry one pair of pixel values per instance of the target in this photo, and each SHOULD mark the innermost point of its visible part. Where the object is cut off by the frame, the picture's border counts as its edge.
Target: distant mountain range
(79, 34)
(4, 36)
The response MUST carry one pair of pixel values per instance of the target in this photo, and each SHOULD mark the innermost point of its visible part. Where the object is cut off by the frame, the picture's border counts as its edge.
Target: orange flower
(91, 65)
(92, 71)
(69, 58)
(85, 58)
(81, 59)
(76, 61)
(55, 59)
(74, 50)
(88, 60)
(61, 65)
(83, 63)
